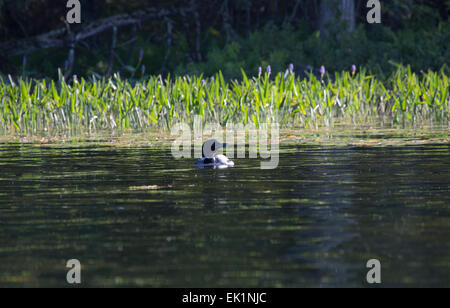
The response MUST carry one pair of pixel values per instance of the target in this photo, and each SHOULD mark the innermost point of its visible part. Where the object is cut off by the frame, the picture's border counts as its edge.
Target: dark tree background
(205, 35)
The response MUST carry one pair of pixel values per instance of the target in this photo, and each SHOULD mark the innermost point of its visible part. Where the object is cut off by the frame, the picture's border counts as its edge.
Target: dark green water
(314, 221)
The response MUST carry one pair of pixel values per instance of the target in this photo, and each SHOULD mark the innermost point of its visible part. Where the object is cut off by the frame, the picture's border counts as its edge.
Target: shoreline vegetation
(352, 98)
(339, 136)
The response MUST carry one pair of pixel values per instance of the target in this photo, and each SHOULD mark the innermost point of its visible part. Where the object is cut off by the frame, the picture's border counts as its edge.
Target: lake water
(134, 216)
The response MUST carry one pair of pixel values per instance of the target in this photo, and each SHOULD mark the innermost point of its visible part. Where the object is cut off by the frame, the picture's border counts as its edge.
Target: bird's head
(210, 147)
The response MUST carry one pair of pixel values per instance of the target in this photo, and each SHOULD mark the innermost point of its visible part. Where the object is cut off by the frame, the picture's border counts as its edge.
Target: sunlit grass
(404, 99)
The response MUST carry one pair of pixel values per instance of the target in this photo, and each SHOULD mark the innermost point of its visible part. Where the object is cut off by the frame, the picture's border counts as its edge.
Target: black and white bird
(210, 158)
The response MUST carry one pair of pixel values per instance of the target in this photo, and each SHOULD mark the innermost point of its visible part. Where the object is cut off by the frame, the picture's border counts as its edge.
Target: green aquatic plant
(404, 98)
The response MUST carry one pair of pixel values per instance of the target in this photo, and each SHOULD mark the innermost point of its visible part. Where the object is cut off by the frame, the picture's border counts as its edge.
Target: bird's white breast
(223, 160)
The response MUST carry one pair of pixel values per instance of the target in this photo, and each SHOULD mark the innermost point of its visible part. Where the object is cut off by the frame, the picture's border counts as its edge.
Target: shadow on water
(137, 217)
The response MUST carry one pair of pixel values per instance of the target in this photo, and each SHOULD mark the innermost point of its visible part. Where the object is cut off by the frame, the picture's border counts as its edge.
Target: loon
(211, 159)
